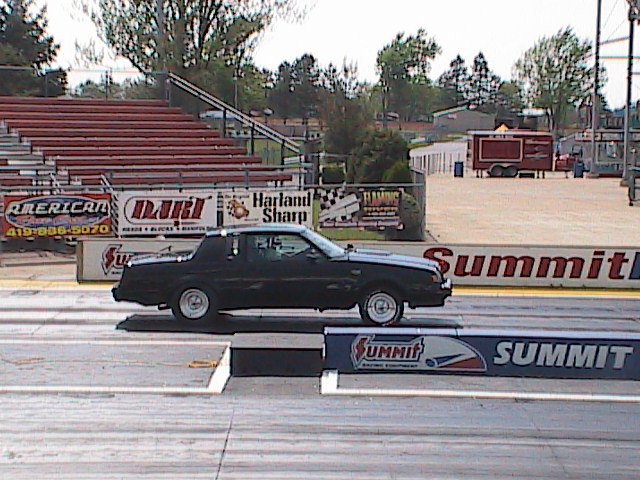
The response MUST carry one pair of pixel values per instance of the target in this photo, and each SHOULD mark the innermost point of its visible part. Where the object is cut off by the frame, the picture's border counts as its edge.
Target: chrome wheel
(381, 308)
(193, 303)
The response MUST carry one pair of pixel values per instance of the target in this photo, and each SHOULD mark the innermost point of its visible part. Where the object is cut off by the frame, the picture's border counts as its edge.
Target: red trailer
(505, 154)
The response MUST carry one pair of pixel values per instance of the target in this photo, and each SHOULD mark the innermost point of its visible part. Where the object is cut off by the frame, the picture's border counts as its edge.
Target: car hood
(168, 257)
(387, 258)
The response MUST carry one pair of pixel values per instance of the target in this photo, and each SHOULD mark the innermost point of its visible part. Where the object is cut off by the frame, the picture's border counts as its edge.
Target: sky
(334, 31)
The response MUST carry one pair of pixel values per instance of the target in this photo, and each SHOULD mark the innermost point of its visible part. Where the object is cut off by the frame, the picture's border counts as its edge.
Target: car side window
(276, 247)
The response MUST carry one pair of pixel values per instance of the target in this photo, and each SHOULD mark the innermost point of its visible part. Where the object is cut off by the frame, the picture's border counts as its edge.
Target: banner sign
(104, 259)
(539, 266)
(159, 213)
(56, 215)
(528, 266)
(595, 355)
(349, 207)
(265, 206)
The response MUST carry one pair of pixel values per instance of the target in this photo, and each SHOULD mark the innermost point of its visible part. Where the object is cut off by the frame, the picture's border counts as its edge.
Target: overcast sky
(355, 30)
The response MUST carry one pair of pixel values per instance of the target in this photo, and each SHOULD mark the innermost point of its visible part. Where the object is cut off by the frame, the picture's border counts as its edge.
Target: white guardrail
(102, 259)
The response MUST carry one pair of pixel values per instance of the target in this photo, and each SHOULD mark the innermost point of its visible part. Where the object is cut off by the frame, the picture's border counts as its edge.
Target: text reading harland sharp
(280, 206)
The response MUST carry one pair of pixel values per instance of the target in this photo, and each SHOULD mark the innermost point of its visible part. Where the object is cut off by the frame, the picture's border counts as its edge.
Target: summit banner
(529, 266)
(491, 352)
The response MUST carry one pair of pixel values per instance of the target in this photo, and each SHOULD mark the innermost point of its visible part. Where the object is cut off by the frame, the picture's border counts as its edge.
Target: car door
(219, 263)
(286, 270)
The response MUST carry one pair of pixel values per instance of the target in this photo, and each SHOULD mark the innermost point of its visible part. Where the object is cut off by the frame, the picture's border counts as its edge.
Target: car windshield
(327, 246)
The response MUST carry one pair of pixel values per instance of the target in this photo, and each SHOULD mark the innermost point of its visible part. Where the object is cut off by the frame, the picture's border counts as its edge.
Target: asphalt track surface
(84, 351)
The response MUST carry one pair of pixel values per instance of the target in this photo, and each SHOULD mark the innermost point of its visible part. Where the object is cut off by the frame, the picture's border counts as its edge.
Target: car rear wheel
(194, 304)
(381, 306)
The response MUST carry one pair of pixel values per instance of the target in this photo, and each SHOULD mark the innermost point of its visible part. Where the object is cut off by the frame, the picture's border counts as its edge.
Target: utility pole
(633, 16)
(595, 99)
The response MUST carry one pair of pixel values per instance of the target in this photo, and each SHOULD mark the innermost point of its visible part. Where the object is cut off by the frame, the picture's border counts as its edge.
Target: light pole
(595, 98)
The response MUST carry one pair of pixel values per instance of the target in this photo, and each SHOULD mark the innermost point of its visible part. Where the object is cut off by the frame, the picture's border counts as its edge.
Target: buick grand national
(281, 266)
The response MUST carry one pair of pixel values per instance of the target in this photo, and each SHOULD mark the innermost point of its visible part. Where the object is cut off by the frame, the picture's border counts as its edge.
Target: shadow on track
(227, 324)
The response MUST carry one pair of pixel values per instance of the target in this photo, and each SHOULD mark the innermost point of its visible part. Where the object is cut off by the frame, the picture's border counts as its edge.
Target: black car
(281, 266)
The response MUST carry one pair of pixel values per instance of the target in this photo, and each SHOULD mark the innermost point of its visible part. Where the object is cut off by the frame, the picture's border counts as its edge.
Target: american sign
(264, 206)
(159, 213)
(56, 215)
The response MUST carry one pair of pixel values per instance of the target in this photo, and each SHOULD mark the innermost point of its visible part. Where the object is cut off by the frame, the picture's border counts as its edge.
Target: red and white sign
(529, 266)
(104, 259)
(56, 215)
(159, 213)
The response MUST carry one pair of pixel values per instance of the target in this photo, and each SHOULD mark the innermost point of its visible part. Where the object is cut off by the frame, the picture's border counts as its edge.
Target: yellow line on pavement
(18, 284)
(545, 291)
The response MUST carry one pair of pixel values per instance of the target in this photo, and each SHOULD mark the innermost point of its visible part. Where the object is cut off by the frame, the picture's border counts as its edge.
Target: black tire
(194, 304)
(381, 306)
(496, 170)
(511, 171)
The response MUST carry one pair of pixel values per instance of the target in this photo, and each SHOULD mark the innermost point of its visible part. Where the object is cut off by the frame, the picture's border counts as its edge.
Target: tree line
(211, 43)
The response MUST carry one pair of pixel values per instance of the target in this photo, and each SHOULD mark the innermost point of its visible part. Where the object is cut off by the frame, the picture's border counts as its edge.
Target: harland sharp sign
(538, 266)
(262, 206)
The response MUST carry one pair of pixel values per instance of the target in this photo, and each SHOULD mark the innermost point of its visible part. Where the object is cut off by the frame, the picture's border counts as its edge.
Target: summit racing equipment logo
(114, 258)
(422, 352)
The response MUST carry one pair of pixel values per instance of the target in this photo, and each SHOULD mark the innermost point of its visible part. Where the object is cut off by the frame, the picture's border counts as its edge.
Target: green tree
(280, 98)
(483, 83)
(305, 85)
(378, 151)
(26, 51)
(509, 98)
(194, 35)
(401, 65)
(457, 81)
(343, 109)
(556, 74)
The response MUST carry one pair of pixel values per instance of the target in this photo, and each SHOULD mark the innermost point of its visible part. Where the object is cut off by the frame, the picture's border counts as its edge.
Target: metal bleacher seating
(84, 141)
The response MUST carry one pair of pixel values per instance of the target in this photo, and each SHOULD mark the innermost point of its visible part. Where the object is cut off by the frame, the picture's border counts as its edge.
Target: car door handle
(356, 271)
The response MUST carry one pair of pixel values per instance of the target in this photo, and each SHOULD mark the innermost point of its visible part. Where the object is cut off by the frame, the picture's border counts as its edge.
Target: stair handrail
(246, 120)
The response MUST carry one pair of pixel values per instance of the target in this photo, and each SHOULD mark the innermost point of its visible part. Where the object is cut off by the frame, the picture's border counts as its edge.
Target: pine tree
(483, 83)
(26, 50)
(456, 80)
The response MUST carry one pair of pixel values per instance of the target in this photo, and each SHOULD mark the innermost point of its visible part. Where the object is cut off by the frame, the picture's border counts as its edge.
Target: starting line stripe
(216, 384)
(329, 386)
(17, 341)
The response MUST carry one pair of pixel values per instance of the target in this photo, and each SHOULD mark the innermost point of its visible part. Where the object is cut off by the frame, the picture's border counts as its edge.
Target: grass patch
(351, 234)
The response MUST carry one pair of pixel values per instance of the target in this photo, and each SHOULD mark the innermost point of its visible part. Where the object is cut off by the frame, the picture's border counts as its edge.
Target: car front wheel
(194, 304)
(381, 307)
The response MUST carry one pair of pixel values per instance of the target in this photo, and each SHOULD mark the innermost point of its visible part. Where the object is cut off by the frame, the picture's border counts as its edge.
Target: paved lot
(526, 211)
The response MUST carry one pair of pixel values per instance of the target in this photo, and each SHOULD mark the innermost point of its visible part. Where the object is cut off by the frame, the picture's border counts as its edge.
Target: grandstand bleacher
(81, 141)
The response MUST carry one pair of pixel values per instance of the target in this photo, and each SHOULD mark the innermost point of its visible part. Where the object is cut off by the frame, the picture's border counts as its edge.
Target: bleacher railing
(229, 112)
